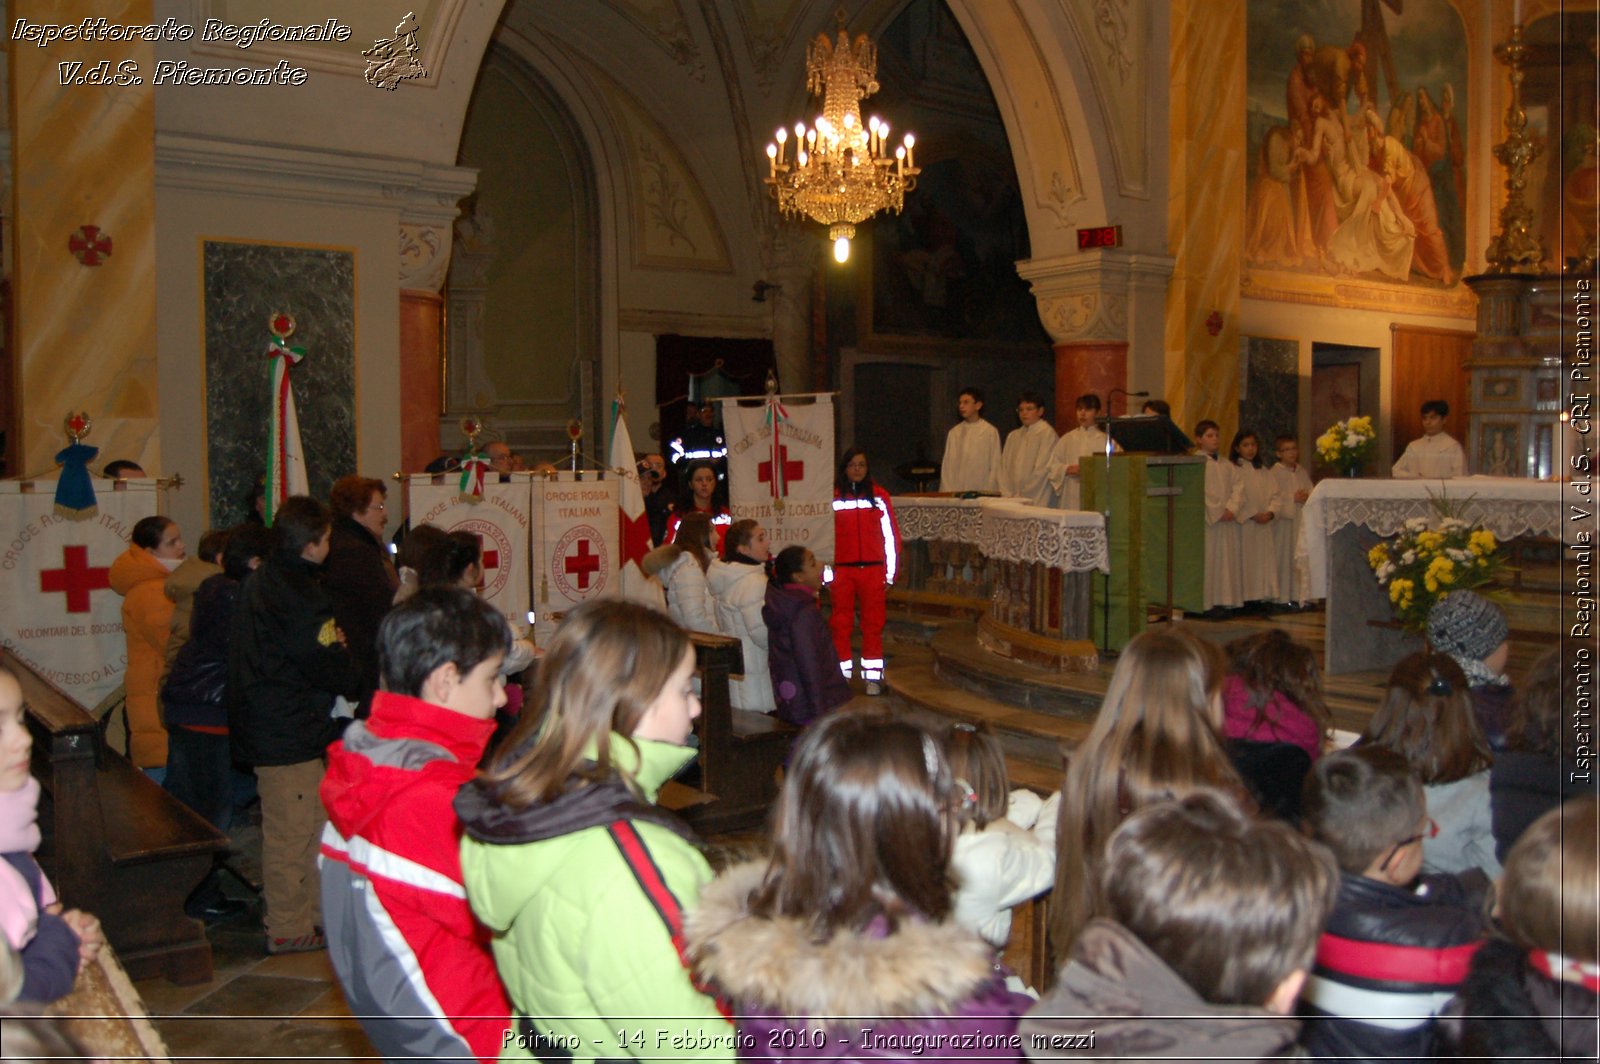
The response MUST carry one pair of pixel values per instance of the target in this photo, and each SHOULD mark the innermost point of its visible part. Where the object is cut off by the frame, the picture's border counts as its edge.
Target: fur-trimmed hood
(922, 969)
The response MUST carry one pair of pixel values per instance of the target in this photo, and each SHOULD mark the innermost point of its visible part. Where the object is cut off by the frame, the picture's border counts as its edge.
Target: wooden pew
(114, 843)
(741, 751)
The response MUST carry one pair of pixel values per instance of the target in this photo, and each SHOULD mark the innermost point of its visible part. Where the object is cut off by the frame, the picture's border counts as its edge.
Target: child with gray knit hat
(1474, 632)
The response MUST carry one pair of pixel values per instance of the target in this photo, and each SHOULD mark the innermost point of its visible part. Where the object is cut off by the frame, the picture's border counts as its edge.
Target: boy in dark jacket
(414, 962)
(1398, 944)
(287, 667)
(1213, 921)
(806, 682)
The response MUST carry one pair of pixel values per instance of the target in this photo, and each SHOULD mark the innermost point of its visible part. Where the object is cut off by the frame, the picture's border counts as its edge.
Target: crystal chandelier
(843, 171)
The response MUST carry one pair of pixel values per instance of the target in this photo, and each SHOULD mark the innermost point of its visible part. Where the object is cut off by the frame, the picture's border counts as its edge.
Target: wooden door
(1428, 364)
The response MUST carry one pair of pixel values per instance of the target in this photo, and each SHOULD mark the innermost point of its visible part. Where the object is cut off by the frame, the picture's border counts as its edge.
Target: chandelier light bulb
(799, 131)
(783, 134)
(772, 151)
(841, 249)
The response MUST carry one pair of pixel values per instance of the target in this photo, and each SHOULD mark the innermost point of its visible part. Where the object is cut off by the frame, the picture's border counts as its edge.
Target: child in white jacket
(998, 862)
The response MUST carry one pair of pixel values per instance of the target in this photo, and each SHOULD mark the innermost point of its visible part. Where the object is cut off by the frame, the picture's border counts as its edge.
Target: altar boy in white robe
(1224, 500)
(1435, 453)
(1294, 488)
(971, 450)
(1025, 461)
(1085, 441)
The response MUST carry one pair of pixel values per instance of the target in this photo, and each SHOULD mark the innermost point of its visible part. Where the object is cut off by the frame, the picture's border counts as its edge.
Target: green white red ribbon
(473, 467)
(285, 461)
(776, 415)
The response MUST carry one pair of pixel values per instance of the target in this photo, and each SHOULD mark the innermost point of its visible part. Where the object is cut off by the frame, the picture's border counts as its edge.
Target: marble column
(83, 154)
(1084, 366)
(427, 222)
(1101, 309)
(423, 263)
(793, 269)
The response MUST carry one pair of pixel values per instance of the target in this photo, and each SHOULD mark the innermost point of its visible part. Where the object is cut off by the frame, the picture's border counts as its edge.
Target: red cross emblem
(76, 577)
(488, 558)
(581, 564)
(90, 245)
(791, 471)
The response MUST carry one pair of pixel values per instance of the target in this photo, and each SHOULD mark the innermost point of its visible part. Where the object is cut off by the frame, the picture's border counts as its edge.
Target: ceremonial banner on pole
(576, 543)
(635, 526)
(780, 468)
(500, 518)
(58, 613)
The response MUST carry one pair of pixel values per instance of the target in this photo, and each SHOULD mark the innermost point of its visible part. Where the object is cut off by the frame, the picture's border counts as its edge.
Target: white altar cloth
(1507, 506)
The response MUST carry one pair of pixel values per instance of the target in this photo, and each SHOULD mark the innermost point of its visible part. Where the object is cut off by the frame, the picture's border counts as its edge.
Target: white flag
(59, 615)
(781, 468)
(633, 524)
(575, 543)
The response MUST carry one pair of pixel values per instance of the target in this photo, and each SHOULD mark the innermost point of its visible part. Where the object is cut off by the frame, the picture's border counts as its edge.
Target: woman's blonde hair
(1158, 736)
(1548, 896)
(605, 667)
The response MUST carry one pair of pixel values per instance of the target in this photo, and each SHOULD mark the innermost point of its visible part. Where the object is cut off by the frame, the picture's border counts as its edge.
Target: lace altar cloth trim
(1008, 530)
(1507, 506)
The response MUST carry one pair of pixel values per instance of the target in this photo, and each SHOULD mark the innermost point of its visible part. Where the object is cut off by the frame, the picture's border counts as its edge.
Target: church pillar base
(421, 354)
(1082, 366)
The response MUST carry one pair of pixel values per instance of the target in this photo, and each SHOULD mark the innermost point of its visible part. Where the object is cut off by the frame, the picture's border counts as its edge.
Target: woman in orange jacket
(139, 575)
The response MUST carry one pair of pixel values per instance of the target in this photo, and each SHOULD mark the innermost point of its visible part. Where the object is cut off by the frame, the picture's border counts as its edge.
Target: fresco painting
(1356, 112)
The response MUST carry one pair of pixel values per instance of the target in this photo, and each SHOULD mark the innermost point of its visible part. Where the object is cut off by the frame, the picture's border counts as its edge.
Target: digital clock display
(1101, 236)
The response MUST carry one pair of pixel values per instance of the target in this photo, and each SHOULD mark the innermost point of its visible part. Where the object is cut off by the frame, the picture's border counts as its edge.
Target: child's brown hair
(979, 766)
(1548, 895)
(1271, 662)
(1426, 717)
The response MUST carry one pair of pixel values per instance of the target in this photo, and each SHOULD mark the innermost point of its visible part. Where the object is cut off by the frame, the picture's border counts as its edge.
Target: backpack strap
(648, 874)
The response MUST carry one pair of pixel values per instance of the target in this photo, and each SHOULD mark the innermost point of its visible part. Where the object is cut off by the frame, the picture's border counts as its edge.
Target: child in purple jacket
(806, 680)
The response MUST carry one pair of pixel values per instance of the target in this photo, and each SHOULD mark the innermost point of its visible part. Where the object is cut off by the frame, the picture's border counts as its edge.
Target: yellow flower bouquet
(1431, 558)
(1348, 444)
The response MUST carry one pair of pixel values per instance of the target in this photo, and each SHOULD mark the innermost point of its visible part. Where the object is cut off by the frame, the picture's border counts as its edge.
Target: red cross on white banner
(789, 471)
(76, 577)
(582, 564)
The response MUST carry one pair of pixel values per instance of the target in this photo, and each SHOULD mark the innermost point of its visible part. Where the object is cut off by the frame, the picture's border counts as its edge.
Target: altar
(1025, 568)
(1343, 519)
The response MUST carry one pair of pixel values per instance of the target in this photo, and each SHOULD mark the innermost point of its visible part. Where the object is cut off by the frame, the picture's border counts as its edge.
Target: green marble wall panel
(245, 284)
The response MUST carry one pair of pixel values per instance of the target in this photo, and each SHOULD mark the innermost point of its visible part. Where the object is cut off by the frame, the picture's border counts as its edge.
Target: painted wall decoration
(244, 285)
(1356, 113)
(1269, 402)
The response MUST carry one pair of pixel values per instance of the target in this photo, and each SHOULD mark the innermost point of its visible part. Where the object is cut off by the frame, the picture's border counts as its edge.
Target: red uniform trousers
(865, 582)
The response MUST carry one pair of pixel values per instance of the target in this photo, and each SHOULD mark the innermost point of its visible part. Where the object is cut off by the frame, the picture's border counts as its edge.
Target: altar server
(1224, 499)
(1294, 488)
(1259, 569)
(971, 450)
(1085, 441)
(1025, 461)
(1435, 453)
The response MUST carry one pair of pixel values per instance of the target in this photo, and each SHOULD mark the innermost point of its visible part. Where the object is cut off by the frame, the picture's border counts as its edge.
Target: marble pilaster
(1100, 309)
(83, 154)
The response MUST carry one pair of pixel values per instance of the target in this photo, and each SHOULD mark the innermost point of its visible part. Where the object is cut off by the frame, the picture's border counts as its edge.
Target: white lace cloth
(1507, 506)
(1010, 530)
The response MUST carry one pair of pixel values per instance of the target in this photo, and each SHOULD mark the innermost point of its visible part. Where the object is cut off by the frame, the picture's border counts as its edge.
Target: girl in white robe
(1294, 487)
(1224, 498)
(1258, 574)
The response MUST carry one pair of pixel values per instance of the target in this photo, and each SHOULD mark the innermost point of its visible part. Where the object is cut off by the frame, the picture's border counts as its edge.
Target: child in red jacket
(413, 960)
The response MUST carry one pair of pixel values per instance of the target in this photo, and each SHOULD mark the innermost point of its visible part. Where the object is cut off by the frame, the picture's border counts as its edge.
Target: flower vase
(1352, 472)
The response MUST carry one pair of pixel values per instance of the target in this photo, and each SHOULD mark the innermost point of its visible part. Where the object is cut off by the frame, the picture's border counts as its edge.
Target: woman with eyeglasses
(1426, 717)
